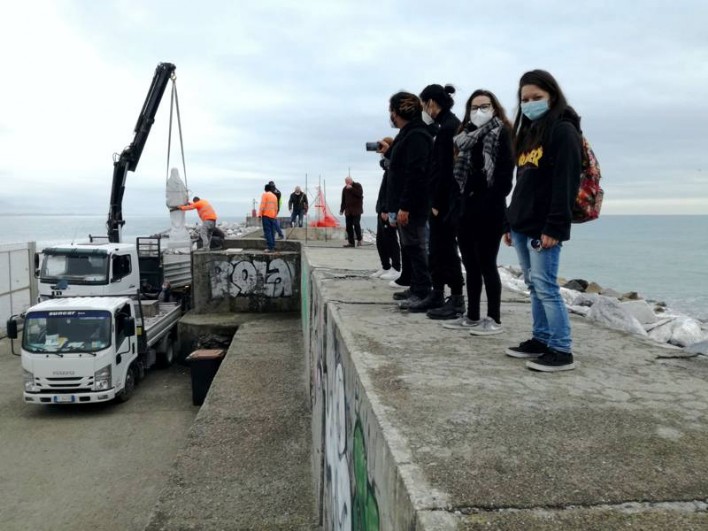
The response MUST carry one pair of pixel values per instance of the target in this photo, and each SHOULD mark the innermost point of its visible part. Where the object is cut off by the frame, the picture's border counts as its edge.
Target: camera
(372, 146)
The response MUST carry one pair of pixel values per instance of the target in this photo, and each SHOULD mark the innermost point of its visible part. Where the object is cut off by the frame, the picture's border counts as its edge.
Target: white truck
(112, 269)
(93, 349)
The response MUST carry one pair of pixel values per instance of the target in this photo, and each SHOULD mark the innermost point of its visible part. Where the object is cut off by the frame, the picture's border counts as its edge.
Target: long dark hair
(440, 95)
(500, 112)
(406, 105)
(530, 134)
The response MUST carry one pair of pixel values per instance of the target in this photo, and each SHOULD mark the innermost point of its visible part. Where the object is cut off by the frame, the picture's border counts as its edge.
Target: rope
(174, 104)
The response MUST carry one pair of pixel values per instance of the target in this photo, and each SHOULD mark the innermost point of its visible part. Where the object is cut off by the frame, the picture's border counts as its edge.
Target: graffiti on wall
(244, 277)
(350, 498)
(365, 514)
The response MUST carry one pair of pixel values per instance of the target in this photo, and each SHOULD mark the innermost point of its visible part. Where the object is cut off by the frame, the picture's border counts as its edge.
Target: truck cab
(92, 349)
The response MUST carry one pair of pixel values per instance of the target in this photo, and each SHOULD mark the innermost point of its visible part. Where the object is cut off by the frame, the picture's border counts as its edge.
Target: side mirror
(129, 326)
(36, 265)
(12, 329)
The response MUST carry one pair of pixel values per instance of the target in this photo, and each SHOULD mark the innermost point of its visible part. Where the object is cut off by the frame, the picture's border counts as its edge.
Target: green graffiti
(365, 513)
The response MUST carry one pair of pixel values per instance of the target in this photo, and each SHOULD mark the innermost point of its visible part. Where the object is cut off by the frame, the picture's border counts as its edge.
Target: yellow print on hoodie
(531, 157)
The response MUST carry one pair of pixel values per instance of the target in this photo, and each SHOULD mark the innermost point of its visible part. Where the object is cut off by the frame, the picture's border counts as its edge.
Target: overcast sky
(277, 90)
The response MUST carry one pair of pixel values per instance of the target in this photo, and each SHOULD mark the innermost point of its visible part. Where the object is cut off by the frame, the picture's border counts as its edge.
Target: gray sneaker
(462, 323)
(487, 327)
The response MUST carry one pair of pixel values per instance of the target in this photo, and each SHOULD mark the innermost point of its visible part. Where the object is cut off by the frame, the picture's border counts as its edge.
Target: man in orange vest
(207, 215)
(268, 212)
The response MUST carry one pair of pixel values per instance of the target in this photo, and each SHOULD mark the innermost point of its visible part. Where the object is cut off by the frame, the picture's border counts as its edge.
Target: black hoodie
(547, 180)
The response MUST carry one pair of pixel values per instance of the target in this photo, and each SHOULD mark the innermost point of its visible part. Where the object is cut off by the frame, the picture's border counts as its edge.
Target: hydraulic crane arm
(129, 158)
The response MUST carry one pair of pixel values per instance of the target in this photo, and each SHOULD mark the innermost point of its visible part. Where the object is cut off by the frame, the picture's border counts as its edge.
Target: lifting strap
(174, 104)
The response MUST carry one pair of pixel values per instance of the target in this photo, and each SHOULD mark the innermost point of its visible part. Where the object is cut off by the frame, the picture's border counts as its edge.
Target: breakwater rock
(628, 312)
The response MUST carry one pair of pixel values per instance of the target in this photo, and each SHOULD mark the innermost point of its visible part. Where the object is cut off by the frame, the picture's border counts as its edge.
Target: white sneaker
(395, 285)
(391, 274)
(487, 327)
(378, 273)
(462, 323)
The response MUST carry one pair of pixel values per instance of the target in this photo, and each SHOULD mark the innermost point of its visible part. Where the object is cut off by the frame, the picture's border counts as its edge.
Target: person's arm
(341, 208)
(188, 206)
(291, 202)
(504, 166)
(262, 206)
(357, 191)
(565, 149)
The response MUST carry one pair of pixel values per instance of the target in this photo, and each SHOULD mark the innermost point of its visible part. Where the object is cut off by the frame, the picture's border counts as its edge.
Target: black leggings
(479, 254)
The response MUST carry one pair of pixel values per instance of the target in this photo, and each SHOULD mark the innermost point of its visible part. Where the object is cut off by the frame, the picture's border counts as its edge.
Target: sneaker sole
(443, 317)
(549, 368)
(522, 355)
(485, 332)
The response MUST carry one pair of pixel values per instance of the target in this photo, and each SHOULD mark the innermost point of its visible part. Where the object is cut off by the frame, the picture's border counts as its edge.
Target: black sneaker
(413, 299)
(433, 300)
(552, 361)
(453, 308)
(402, 295)
(531, 348)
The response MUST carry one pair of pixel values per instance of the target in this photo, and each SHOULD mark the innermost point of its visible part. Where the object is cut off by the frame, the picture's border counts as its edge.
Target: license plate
(61, 399)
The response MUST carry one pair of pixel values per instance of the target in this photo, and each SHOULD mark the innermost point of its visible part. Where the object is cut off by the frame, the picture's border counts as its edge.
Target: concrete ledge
(245, 464)
(419, 427)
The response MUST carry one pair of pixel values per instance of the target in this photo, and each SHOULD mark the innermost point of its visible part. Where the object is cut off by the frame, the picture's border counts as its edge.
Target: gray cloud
(277, 90)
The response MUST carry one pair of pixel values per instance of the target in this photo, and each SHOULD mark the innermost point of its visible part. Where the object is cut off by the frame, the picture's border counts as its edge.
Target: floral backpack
(589, 199)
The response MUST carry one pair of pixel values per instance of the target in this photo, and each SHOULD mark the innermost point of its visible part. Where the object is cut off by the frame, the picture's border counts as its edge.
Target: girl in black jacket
(548, 148)
(483, 174)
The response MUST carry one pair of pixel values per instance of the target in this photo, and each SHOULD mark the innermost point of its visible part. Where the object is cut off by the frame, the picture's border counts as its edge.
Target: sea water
(664, 258)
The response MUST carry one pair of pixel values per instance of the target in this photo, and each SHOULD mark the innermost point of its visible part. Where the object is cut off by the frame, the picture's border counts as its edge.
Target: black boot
(433, 300)
(454, 307)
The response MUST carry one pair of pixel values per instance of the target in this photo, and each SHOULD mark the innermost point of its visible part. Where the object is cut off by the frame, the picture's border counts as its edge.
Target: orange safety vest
(204, 209)
(269, 205)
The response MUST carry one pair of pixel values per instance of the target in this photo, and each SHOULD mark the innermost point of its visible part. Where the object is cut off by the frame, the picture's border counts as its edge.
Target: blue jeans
(277, 227)
(296, 216)
(551, 324)
(269, 225)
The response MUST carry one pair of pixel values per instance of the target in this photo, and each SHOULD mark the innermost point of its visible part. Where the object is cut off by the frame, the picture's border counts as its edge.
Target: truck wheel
(129, 387)
(167, 356)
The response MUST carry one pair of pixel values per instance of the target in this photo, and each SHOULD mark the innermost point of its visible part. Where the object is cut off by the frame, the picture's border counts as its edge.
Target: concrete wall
(354, 470)
(18, 287)
(246, 279)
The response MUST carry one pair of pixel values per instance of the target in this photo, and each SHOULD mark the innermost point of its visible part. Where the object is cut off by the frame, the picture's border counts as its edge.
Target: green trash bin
(203, 366)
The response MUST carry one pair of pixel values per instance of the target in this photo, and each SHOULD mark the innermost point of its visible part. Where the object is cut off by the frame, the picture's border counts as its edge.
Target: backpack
(589, 199)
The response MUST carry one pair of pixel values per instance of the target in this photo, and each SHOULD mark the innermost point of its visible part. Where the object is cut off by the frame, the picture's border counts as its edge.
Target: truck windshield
(67, 331)
(76, 267)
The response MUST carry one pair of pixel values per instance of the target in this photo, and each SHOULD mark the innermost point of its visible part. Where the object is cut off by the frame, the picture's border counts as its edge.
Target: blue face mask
(534, 109)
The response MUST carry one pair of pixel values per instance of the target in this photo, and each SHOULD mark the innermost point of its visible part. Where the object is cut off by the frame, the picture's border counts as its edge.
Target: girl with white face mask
(483, 172)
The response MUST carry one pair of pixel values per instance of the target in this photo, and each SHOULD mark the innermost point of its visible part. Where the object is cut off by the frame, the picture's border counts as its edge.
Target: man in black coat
(408, 191)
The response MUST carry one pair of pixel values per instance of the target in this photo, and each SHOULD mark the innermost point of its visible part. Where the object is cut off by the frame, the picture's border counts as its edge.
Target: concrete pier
(427, 428)
(395, 423)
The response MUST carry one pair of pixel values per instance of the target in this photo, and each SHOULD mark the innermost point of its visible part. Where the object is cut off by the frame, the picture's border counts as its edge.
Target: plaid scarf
(465, 141)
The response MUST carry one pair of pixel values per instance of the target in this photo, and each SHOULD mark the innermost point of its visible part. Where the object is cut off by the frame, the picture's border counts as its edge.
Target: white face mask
(427, 118)
(480, 117)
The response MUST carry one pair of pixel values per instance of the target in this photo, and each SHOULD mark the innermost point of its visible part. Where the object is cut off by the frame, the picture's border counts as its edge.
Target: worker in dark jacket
(278, 195)
(352, 208)
(444, 259)
(298, 206)
(408, 191)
